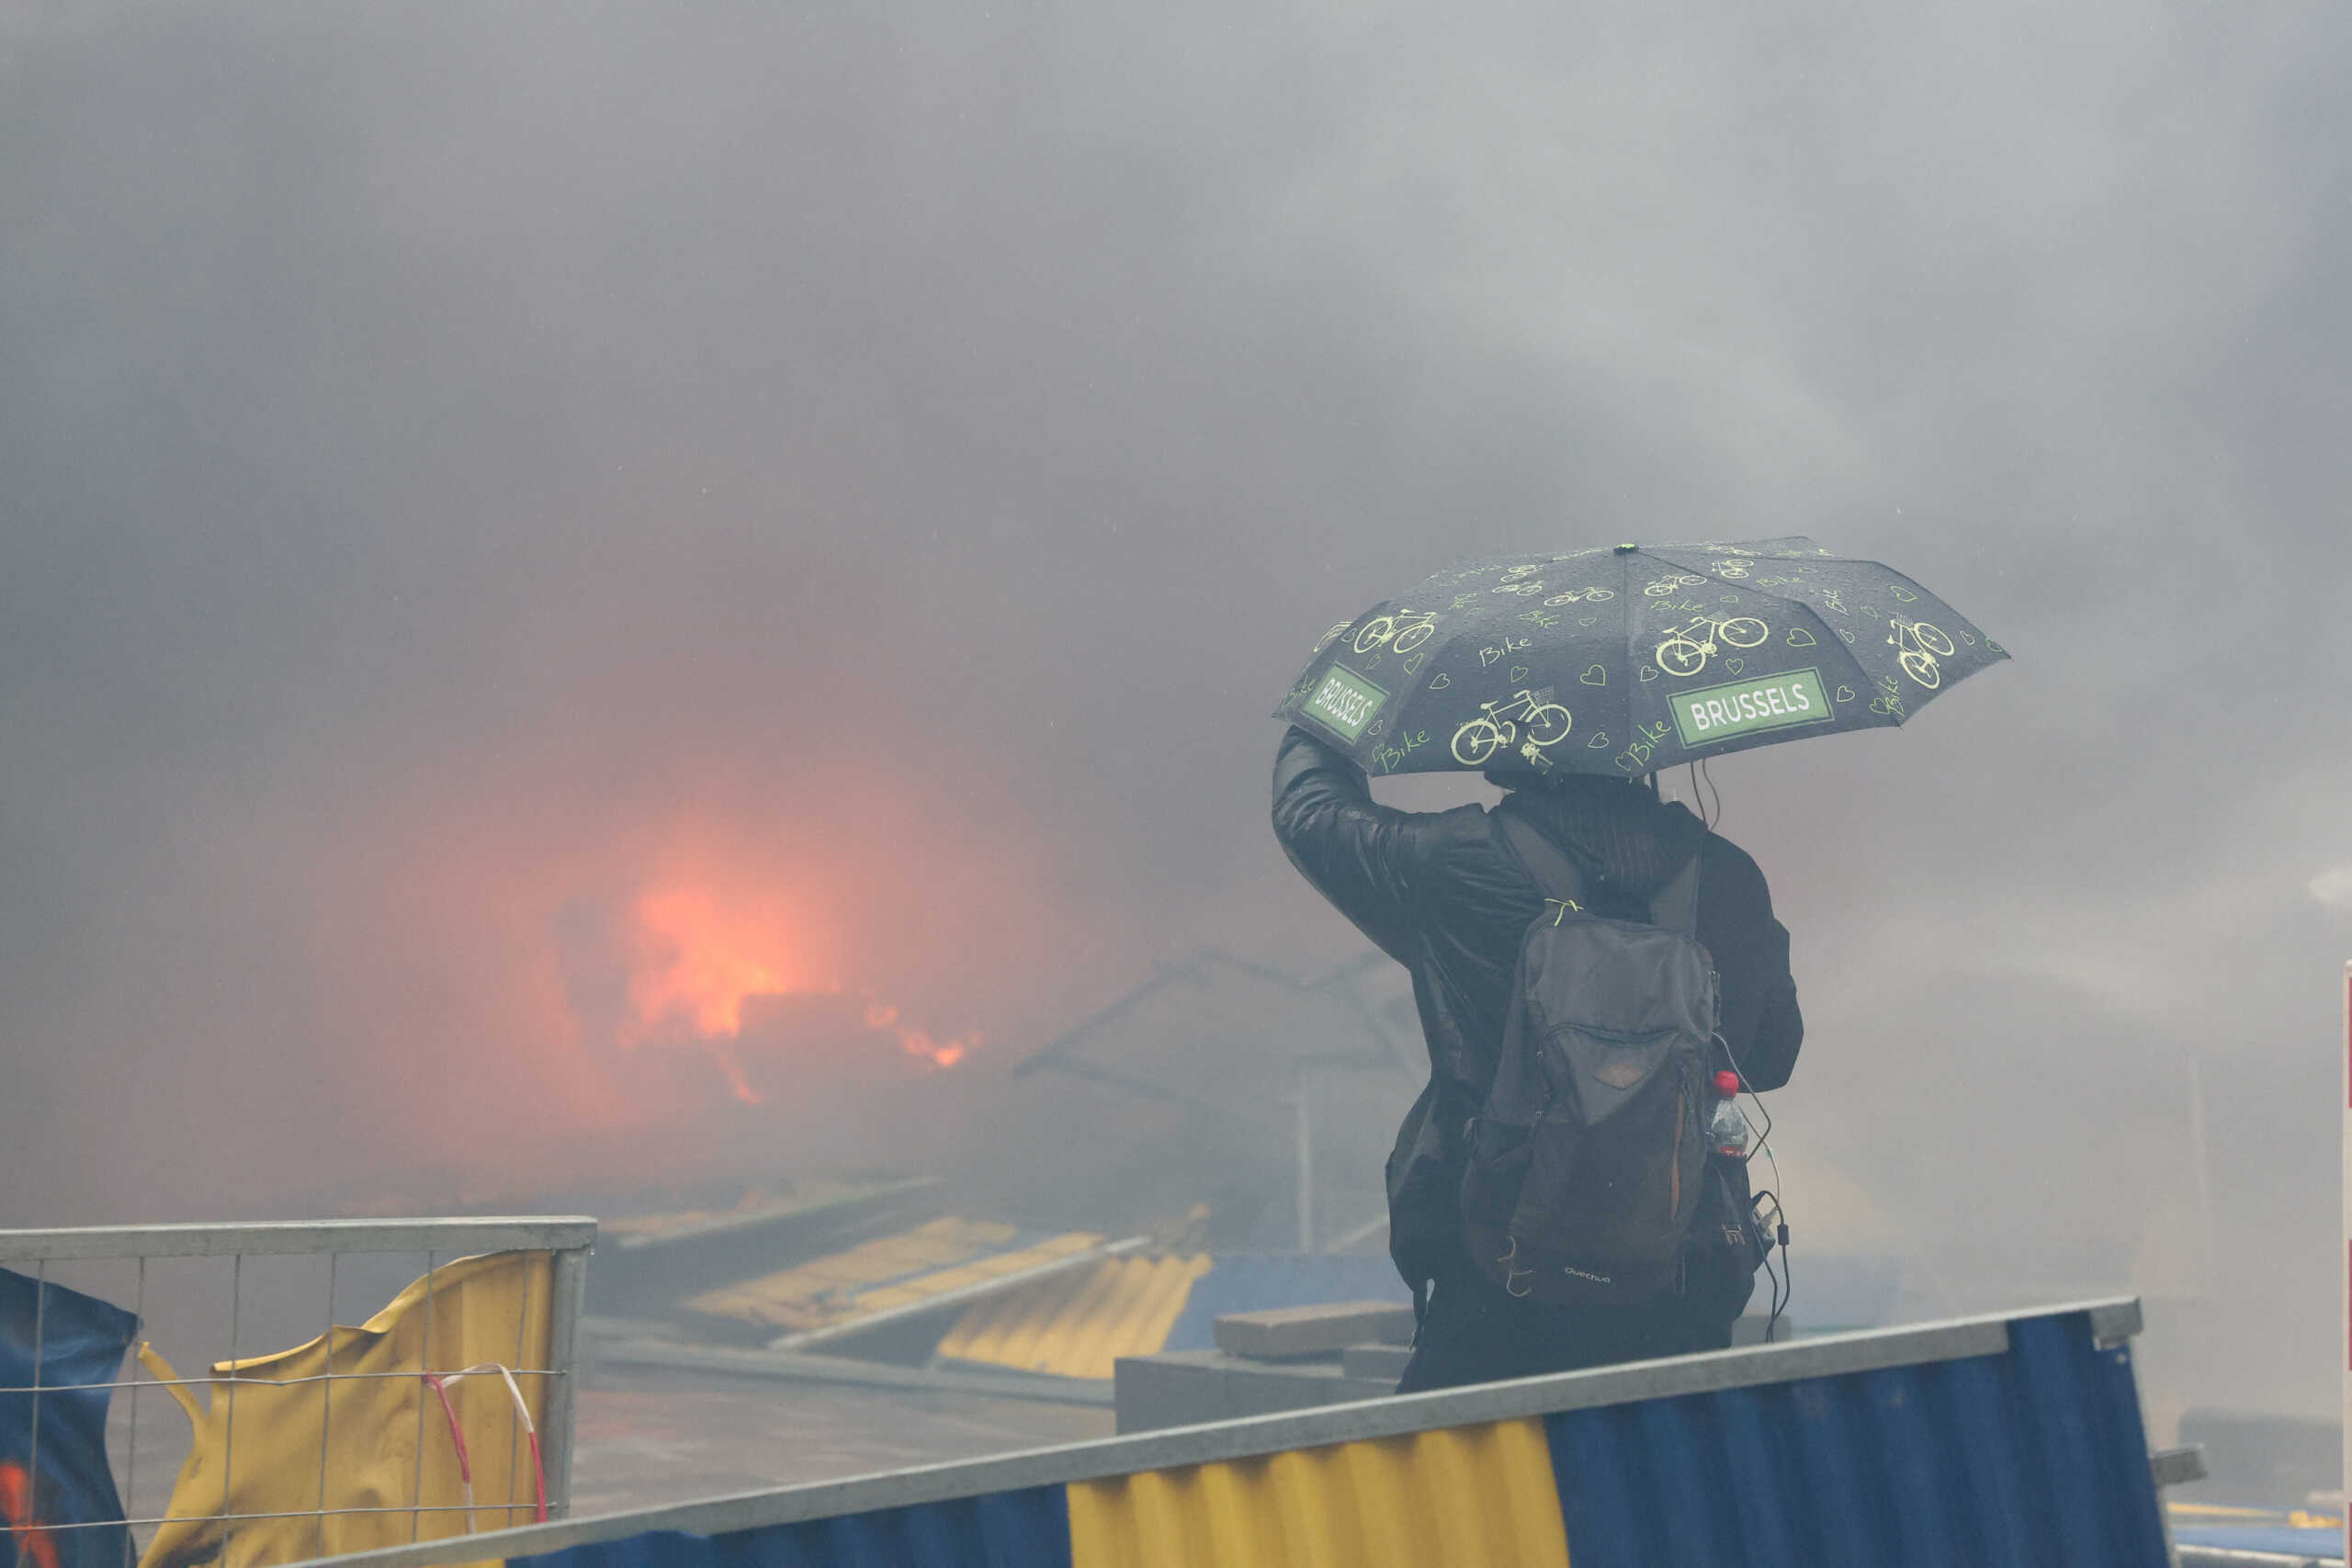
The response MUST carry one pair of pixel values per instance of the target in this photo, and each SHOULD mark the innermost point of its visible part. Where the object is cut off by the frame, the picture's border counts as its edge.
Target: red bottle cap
(1726, 1083)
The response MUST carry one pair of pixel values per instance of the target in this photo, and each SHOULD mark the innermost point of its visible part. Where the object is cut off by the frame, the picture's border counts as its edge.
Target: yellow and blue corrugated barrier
(2001, 1440)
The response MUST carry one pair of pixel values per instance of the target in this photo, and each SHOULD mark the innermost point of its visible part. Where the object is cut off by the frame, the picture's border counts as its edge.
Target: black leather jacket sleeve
(1366, 858)
(1439, 893)
(1761, 1022)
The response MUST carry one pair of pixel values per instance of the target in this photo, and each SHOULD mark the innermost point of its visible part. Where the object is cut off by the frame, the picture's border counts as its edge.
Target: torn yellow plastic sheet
(269, 1444)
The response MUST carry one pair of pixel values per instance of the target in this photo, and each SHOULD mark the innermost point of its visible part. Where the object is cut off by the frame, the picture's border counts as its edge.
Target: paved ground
(649, 1435)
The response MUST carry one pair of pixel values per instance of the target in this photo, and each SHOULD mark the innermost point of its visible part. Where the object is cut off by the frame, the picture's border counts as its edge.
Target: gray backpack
(1584, 1166)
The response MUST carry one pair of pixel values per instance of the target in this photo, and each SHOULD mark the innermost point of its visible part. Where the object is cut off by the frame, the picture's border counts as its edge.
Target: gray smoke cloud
(445, 450)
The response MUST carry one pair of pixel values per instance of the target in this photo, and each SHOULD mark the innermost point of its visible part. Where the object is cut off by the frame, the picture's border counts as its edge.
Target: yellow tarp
(481, 1309)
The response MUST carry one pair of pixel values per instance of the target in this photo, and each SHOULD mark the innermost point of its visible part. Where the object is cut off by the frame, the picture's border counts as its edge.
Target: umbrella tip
(1628, 549)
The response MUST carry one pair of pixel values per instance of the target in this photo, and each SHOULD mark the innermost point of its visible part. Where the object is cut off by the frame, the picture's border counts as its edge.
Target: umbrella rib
(1731, 582)
(1829, 639)
(1633, 637)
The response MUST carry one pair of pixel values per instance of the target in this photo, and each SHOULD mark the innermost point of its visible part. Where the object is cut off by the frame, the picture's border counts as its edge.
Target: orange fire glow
(700, 957)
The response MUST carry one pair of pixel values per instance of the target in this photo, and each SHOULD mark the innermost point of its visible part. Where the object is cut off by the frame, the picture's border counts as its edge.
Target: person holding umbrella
(1588, 959)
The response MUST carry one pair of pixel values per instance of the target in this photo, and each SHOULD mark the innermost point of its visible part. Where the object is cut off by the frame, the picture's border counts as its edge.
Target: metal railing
(368, 1261)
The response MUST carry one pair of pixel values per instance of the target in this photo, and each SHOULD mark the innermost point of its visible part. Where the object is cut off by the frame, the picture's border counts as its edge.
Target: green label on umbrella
(1345, 702)
(1743, 708)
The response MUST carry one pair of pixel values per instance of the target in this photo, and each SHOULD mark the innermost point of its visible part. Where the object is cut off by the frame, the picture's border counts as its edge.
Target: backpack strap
(1556, 875)
(1677, 903)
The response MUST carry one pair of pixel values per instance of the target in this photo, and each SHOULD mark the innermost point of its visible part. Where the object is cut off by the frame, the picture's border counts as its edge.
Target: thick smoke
(458, 467)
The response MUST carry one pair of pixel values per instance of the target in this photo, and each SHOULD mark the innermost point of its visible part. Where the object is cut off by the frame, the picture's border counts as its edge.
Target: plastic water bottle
(1727, 1130)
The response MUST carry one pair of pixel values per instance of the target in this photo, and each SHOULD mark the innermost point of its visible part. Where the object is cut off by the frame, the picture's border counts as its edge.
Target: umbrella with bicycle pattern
(1630, 660)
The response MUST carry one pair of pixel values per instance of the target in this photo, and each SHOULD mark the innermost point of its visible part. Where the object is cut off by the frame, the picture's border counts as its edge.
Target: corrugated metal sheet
(1078, 1324)
(1001, 1529)
(2035, 1457)
(755, 1209)
(2287, 1545)
(1469, 1497)
(890, 1271)
(1255, 1282)
(2298, 1532)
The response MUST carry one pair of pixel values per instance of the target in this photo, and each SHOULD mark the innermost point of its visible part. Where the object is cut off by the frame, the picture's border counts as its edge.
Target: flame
(701, 957)
(17, 1488)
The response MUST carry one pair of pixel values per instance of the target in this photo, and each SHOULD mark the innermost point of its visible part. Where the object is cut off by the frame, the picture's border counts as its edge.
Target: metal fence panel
(2004, 1439)
(261, 1239)
(244, 1269)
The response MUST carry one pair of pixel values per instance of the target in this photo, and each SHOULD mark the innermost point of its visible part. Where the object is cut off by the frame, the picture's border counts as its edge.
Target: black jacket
(1444, 895)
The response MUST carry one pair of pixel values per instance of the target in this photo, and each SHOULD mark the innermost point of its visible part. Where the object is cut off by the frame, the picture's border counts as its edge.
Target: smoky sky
(440, 447)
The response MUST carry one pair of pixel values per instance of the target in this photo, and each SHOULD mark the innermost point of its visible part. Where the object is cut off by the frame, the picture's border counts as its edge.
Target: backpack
(1585, 1165)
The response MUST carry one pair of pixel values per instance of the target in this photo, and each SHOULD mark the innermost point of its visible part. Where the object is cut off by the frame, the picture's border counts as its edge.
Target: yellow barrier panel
(490, 1309)
(1469, 1497)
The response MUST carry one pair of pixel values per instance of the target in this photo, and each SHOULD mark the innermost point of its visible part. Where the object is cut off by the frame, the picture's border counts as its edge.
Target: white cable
(520, 1406)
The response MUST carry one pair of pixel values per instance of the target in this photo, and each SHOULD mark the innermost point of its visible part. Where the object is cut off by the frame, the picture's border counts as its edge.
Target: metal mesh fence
(228, 1293)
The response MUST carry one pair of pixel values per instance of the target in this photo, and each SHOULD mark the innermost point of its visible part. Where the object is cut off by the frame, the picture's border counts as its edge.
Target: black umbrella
(1630, 660)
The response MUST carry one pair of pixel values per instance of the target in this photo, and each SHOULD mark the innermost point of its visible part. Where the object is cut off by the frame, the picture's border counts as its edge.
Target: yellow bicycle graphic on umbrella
(1404, 631)
(1688, 647)
(1921, 645)
(1497, 728)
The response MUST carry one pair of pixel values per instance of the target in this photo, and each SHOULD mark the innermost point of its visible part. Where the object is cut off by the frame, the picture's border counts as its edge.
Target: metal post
(1304, 1135)
(2343, 1326)
(2200, 1153)
(423, 1371)
(567, 1282)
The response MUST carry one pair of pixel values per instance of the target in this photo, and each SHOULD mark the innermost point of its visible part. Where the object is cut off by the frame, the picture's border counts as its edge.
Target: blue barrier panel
(2030, 1457)
(1002, 1530)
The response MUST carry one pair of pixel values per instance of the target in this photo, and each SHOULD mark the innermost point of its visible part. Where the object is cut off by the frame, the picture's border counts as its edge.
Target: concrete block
(1184, 1388)
(1320, 1330)
(1376, 1363)
(1255, 1388)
